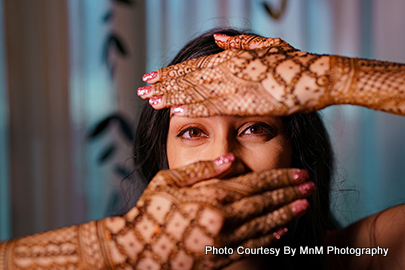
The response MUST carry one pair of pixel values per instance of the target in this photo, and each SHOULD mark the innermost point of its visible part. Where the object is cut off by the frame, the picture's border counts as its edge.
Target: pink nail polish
(155, 100)
(221, 35)
(306, 188)
(278, 234)
(300, 206)
(144, 90)
(224, 159)
(177, 109)
(300, 175)
(149, 76)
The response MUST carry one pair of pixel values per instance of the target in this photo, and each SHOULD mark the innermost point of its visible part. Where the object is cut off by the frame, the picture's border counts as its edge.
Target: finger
(246, 104)
(245, 42)
(212, 107)
(227, 99)
(236, 200)
(211, 195)
(209, 83)
(211, 192)
(265, 224)
(185, 93)
(195, 172)
(158, 102)
(186, 67)
(237, 168)
(259, 182)
(256, 205)
(269, 180)
(175, 85)
(193, 88)
(266, 240)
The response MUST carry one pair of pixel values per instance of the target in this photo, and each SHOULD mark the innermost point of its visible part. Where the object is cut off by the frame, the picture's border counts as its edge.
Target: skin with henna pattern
(171, 223)
(259, 76)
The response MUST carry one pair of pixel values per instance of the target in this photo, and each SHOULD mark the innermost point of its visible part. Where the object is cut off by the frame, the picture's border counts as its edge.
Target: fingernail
(306, 188)
(177, 109)
(144, 90)
(221, 37)
(224, 159)
(300, 175)
(300, 206)
(149, 76)
(278, 234)
(155, 100)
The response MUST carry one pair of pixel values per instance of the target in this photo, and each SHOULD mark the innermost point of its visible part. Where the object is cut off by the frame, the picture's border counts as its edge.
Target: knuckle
(161, 174)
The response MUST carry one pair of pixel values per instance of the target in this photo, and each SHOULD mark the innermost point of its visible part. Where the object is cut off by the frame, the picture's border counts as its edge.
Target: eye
(192, 133)
(254, 129)
(260, 129)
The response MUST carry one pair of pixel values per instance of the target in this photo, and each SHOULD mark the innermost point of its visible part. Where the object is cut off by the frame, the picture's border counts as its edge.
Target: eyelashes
(192, 133)
(248, 129)
(259, 129)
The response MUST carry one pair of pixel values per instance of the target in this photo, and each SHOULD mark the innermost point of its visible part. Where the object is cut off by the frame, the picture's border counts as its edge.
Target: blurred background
(69, 70)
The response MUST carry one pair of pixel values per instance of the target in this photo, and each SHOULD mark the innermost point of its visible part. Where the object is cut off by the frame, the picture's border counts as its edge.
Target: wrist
(342, 78)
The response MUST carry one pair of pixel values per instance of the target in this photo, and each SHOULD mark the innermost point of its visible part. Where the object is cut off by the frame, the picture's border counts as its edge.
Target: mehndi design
(259, 76)
(170, 225)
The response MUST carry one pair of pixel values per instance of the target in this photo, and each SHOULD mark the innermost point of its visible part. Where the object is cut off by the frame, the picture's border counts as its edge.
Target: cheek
(174, 155)
(178, 156)
(274, 155)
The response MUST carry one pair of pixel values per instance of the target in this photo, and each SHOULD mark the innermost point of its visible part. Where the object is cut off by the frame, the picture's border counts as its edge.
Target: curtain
(5, 227)
(103, 83)
(65, 75)
(40, 150)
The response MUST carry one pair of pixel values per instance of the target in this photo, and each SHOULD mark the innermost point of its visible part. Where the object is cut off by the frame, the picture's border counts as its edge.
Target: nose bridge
(224, 143)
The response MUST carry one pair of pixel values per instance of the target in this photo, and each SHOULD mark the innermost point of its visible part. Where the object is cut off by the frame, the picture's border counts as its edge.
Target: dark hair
(311, 151)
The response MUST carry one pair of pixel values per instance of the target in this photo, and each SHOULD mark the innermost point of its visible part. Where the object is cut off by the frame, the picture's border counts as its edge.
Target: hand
(248, 42)
(256, 76)
(176, 220)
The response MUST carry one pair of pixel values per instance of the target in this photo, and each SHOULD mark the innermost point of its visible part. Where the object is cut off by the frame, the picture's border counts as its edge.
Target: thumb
(199, 171)
(245, 42)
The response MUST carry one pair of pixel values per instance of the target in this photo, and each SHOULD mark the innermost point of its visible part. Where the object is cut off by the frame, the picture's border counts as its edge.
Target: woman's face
(260, 142)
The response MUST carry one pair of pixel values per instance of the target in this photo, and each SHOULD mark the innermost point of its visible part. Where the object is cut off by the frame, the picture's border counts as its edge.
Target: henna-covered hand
(173, 222)
(249, 210)
(262, 76)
